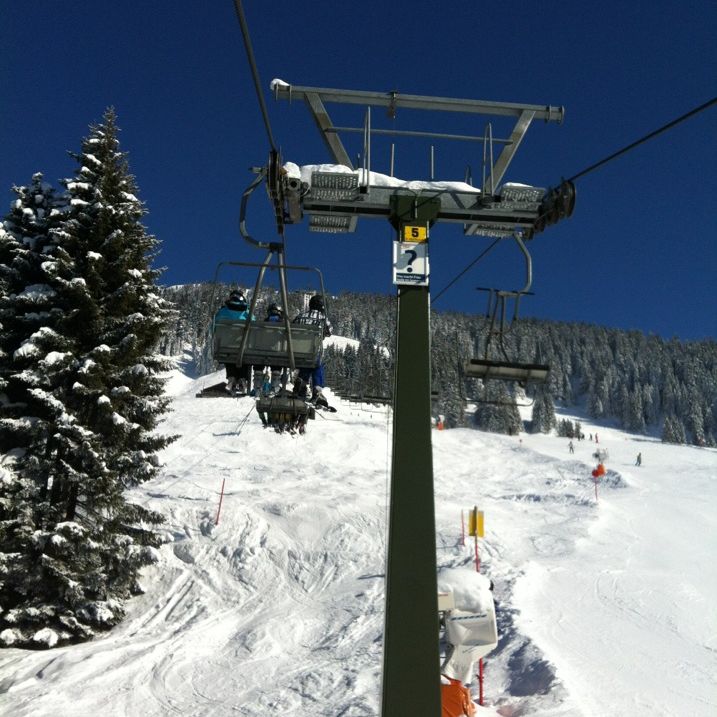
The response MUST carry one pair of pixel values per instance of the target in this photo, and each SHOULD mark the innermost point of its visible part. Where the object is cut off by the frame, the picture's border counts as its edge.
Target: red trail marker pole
(480, 682)
(476, 528)
(599, 471)
(221, 498)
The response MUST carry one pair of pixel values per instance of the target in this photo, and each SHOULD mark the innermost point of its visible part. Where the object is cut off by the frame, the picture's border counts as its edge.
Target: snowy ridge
(278, 610)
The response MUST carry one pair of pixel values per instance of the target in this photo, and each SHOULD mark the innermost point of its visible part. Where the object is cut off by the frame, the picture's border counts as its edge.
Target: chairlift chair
(503, 368)
(263, 343)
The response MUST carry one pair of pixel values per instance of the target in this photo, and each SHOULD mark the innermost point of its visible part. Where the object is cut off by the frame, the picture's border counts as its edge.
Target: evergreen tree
(115, 251)
(543, 417)
(496, 411)
(566, 428)
(627, 376)
(82, 396)
(49, 448)
(673, 431)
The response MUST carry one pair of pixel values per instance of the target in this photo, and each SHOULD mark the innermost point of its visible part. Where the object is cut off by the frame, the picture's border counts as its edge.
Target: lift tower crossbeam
(316, 98)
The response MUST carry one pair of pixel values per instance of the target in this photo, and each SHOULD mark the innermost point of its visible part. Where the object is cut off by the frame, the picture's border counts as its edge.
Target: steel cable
(254, 71)
(591, 168)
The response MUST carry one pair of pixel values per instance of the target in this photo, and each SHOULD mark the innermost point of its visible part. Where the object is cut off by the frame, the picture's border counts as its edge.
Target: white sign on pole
(410, 263)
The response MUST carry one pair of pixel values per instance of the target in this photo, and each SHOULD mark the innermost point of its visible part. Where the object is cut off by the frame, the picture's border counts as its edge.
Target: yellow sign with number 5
(415, 234)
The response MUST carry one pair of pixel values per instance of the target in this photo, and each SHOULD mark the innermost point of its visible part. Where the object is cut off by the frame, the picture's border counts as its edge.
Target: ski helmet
(237, 301)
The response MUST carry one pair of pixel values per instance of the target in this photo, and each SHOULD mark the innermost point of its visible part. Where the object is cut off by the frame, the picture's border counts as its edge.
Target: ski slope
(605, 607)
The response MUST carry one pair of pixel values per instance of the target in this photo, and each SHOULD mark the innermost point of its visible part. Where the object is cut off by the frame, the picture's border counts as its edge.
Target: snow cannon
(470, 626)
(599, 471)
(469, 619)
(471, 635)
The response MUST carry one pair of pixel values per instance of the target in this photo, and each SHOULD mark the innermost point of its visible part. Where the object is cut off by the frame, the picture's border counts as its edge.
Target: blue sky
(638, 253)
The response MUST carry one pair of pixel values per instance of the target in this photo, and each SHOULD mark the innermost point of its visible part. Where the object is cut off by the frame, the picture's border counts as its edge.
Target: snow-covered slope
(605, 608)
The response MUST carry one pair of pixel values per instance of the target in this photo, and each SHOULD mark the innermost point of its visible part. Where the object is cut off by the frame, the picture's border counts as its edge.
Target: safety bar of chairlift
(371, 398)
(507, 370)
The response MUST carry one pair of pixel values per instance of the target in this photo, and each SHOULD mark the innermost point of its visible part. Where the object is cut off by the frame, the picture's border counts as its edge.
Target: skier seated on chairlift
(276, 378)
(237, 309)
(314, 315)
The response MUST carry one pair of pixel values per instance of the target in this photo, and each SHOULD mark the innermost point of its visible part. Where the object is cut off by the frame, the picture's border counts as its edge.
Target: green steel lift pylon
(334, 202)
(411, 681)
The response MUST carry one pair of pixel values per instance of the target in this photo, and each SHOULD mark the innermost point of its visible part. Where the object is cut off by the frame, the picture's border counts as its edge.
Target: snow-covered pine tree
(543, 416)
(25, 244)
(496, 410)
(371, 368)
(592, 364)
(634, 417)
(566, 428)
(673, 430)
(84, 397)
(45, 447)
(105, 225)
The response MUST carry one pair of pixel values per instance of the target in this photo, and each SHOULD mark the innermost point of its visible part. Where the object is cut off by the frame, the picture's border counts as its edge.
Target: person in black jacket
(314, 315)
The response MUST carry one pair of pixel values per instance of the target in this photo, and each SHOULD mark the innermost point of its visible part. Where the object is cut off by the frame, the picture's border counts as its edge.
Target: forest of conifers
(644, 384)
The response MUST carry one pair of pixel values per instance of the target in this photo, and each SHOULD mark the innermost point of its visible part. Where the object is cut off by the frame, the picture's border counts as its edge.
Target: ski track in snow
(278, 609)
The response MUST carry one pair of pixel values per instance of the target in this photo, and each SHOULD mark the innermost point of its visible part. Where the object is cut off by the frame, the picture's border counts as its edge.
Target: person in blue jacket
(276, 378)
(237, 309)
(274, 313)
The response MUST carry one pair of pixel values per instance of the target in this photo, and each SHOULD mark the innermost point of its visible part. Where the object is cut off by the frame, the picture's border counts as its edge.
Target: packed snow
(375, 179)
(268, 600)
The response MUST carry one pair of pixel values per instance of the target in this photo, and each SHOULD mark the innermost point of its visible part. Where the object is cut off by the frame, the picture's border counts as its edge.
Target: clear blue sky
(640, 251)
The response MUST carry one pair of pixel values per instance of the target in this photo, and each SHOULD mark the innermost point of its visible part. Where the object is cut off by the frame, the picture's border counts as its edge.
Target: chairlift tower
(334, 202)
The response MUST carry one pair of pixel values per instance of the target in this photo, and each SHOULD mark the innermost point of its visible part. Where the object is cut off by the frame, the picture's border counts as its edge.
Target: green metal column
(411, 667)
